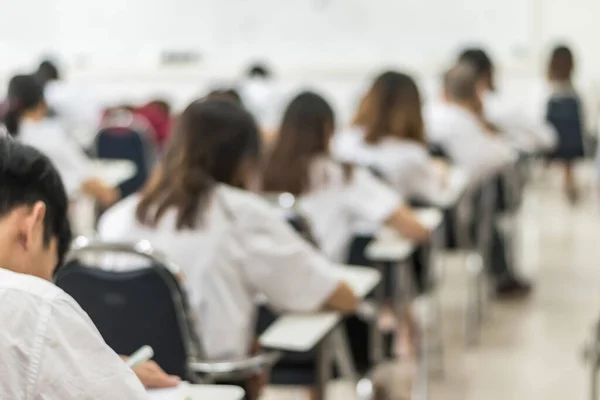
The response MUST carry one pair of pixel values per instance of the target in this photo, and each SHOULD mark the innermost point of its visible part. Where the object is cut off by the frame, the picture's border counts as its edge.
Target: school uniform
(50, 349)
(261, 99)
(404, 164)
(49, 137)
(527, 132)
(78, 109)
(341, 201)
(481, 154)
(564, 110)
(459, 132)
(239, 249)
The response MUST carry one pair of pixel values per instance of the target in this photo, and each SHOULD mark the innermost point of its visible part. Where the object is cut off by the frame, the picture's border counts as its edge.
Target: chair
(123, 135)
(146, 307)
(299, 368)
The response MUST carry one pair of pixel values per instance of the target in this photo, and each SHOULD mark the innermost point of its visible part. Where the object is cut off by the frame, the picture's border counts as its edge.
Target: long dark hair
(212, 138)
(24, 94)
(305, 132)
(391, 107)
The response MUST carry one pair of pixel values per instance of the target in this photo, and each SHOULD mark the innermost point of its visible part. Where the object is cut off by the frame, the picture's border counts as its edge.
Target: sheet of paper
(178, 393)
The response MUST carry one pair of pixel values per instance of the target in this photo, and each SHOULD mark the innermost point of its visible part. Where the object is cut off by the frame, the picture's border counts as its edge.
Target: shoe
(513, 288)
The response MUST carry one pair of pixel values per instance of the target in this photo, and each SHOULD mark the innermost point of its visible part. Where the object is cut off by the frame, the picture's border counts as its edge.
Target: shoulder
(29, 287)
(119, 213)
(244, 206)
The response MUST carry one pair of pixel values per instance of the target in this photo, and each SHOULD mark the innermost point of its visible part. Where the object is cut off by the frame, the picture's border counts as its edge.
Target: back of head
(561, 65)
(391, 107)
(213, 141)
(27, 177)
(226, 94)
(305, 133)
(24, 94)
(47, 72)
(460, 84)
(482, 63)
(259, 70)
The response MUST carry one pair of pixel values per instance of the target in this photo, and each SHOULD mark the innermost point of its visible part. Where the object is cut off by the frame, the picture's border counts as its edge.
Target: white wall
(114, 45)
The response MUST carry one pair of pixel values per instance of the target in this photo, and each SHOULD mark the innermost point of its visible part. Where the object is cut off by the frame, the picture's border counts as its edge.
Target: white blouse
(240, 248)
(479, 153)
(406, 165)
(48, 137)
(342, 203)
(527, 131)
(50, 349)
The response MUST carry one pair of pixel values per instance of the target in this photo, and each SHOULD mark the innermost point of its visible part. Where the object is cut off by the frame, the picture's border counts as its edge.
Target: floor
(532, 349)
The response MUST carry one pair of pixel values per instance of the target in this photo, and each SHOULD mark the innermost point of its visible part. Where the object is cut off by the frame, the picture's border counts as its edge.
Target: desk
(197, 392)
(457, 185)
(112, 172)
(303, 332)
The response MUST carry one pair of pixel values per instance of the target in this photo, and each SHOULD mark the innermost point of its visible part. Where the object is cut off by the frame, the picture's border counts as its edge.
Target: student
(525, 131)
(564, 111)
(258, 94)
(388, 135)
(230, 244)
(48, 345)
(341, 203)
(76, 107)
(335, 198)
(27, 120)
(158, 114)
(455, 125)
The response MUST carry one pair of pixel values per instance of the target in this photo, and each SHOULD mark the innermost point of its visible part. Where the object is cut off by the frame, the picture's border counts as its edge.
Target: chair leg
(474, 289)
(594, 379)
(323, 369)
(343, 354)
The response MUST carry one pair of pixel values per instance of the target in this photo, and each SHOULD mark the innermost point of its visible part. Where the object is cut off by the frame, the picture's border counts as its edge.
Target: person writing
(48, 344)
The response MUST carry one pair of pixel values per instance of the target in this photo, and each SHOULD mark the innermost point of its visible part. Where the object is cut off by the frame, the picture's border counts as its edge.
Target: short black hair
(46, 72)
(259, 70)
(481, 61)
(26, 177)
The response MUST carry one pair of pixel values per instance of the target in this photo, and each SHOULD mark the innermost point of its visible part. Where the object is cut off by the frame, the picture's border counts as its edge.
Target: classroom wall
(115, 46)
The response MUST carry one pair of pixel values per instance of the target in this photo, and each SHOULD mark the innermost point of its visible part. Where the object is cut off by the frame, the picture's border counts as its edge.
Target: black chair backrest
(131, 309)
(126, 144)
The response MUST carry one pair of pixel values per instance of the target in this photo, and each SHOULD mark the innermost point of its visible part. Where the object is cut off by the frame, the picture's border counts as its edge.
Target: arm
(75, 361)
(287, 270)
(374, 201)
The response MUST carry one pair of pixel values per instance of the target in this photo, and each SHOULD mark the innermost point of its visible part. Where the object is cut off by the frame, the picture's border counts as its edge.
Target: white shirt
(406, 165)
(50, 349)
(469, 146)
(342, 203)
(48, 137)
(261, 100)
(78, 108)
(240, 248)
(525, 130)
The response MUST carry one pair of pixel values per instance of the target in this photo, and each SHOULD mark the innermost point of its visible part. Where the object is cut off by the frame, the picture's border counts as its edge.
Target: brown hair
(305, 132)
(211, 140)
(561, 64)
(392, 107)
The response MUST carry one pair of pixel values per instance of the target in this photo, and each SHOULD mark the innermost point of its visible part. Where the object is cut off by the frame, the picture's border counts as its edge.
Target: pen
(143, 354)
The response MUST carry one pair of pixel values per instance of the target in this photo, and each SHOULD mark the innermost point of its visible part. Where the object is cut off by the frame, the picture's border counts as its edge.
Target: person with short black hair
(527, 132)
(48, 345)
